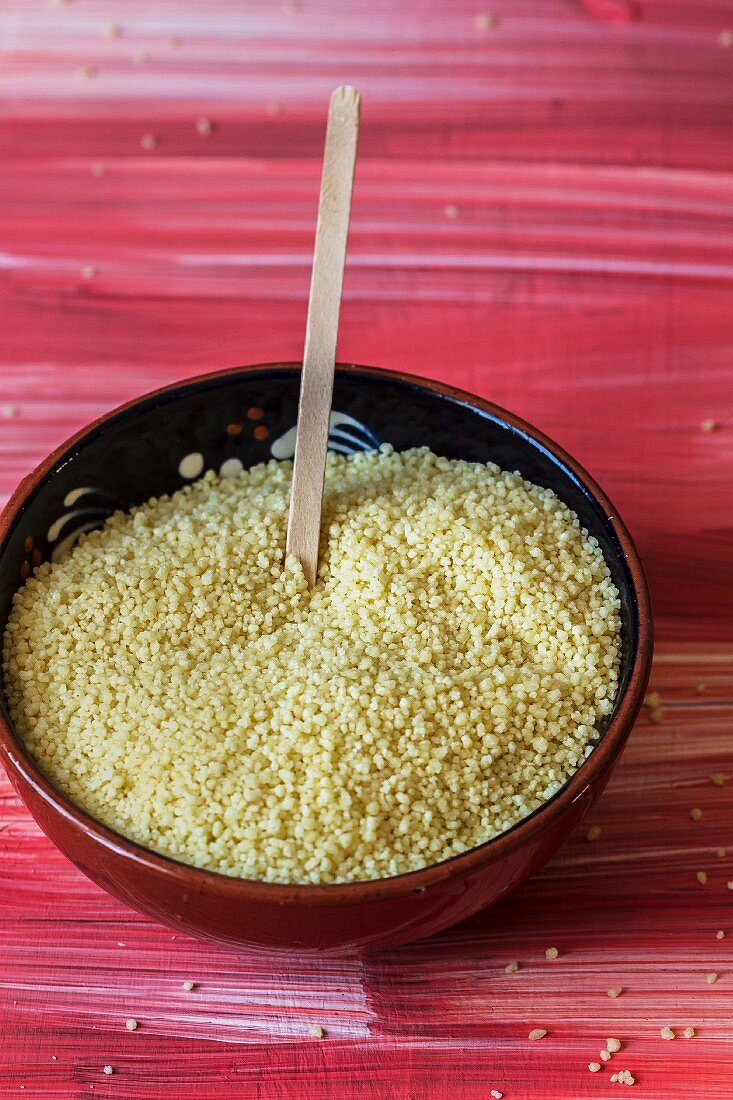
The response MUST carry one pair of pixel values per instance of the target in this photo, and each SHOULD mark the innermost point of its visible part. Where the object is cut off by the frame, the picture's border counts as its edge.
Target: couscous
(448, 673)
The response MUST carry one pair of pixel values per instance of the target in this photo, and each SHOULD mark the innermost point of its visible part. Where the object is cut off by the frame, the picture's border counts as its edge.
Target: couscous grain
(446, 676)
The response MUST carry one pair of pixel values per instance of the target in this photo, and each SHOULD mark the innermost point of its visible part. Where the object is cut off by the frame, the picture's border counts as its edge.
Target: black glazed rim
(610, 743)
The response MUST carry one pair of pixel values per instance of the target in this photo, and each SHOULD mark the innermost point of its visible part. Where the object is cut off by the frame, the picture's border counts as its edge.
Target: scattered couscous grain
(594, 1067)
(702, 877)
(700, 689)
(551, 953)
(689, 1033)
(720, 935)
(88, 271)
(655, 716)
(537, 1033)
(485, 21)
(316, 1031)
(10, 412)
(149, 141)
(717, 779)
(653, 700)
(108, 1070)
(511, 968)
(667, 1033)
(613, 1045)
(593, 833)
(695, 813)
(709, 425)
(131, 1025)
(450, 210)
(605, 1055)
(711, 979)
(720, 853)
(204, 127)
(729, 885)
(188, 986)
(725, 38)
(446, 676)
(615, 992)
(496, 1094)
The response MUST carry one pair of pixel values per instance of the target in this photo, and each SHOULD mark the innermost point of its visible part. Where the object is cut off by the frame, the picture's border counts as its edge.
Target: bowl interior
(237, 419)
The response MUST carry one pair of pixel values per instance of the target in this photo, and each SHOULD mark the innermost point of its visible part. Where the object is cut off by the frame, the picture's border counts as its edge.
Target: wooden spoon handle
(319, 355)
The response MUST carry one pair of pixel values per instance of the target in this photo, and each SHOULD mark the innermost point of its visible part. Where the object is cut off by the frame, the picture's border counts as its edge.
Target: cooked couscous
(448, 673)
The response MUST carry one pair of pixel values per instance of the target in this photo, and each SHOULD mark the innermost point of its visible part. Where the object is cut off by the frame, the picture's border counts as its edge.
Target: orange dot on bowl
(28, 544)
(25, 571)
(261, 432)
(234, 429)
(254, 413)
(36, 557)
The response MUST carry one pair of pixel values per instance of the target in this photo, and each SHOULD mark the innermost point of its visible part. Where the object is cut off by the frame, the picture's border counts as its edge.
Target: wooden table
(543, 215)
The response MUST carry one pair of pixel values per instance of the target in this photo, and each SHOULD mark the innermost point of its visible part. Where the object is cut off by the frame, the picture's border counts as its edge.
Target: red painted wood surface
(543, 214)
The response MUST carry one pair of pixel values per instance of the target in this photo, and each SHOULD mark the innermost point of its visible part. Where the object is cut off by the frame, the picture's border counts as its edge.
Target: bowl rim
(20, 764)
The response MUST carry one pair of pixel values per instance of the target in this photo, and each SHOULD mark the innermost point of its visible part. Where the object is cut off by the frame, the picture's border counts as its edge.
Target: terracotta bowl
(232, 420)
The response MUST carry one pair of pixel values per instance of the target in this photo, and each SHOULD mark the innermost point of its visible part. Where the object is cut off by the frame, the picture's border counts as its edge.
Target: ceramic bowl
(232, 420)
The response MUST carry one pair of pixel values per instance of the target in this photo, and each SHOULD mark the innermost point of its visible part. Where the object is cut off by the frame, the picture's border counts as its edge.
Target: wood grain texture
(321, 329)
(543, 216)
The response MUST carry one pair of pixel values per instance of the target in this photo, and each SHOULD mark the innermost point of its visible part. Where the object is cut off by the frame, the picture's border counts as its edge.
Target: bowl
(231, 420)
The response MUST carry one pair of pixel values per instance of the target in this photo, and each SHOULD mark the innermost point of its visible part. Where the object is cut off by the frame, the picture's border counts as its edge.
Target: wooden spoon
(319, 355)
